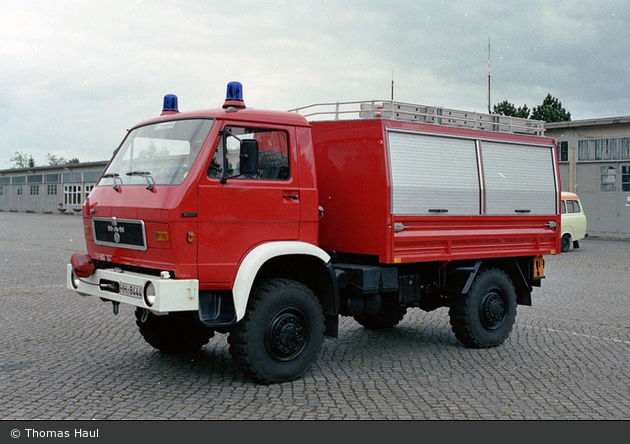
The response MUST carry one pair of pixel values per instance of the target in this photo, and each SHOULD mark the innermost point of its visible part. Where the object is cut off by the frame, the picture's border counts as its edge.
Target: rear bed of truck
(409, 192)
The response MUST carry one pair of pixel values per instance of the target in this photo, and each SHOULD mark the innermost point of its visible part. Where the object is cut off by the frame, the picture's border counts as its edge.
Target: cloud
(75, 75)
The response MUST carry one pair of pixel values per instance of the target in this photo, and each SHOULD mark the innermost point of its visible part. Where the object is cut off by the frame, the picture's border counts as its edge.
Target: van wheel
(485, 316)
(566, 243)
(281, 333)
(172, 333)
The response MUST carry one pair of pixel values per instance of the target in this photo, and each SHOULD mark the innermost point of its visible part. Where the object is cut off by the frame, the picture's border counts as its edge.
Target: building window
(72, 195)
(625, 178)
(614, 148)
(52, 177)
(88, 188)
(33, 190)
(608, 178)
(563, 151)
(92, 176)
(1, 191)
(72, 177)
(34, 179)
(51, 189)
(19, 191)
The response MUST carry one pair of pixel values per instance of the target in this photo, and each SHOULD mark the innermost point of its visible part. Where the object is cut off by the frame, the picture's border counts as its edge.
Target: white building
(594, 159)
(48, 189)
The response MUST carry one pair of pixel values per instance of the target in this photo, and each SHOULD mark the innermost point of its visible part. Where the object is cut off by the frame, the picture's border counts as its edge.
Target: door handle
(290, 196)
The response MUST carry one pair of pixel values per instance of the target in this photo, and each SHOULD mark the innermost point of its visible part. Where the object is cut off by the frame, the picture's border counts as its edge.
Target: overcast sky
(75, 74)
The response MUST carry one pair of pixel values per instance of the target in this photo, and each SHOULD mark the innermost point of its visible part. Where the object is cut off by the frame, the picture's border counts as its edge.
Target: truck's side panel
(519, 178)
(433, 174)
(450, 193)
(352, 178)
(445, 238)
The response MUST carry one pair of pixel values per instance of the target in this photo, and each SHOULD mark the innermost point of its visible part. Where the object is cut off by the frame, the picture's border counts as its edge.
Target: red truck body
(355, 188)
(267, 226)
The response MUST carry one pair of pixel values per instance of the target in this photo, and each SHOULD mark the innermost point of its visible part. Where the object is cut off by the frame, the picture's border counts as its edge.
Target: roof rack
(433, 115)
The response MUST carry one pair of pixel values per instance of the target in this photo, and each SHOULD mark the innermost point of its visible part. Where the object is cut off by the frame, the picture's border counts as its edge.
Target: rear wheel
(485, 316)
(281, 333)
(172, 333)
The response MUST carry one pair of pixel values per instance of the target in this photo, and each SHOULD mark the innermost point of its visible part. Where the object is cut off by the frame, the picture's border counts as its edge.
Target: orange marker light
(161, 236)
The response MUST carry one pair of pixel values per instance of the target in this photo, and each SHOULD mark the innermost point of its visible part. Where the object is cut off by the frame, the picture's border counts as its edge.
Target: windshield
(160, 154)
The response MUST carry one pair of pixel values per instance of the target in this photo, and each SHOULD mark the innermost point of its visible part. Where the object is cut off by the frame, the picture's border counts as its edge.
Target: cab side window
(273, 153)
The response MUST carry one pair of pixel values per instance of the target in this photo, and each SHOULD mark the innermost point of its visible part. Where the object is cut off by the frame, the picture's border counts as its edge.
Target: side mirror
(249, 156)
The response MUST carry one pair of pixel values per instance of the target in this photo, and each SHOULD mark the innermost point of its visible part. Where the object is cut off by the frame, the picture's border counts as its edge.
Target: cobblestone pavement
(68, 357)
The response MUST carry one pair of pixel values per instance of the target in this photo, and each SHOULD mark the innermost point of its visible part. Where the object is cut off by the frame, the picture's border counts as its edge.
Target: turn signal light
(161, 236)
(190, 237)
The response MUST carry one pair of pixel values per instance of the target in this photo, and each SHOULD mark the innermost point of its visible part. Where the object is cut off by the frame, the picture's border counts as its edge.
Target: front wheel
(281, 333)
(485, 316)
(176, 332)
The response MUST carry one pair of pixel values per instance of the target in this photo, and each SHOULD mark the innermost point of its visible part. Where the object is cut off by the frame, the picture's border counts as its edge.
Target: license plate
(134, 291)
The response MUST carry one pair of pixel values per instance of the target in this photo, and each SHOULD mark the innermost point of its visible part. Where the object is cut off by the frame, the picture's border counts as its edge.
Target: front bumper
(131, 288)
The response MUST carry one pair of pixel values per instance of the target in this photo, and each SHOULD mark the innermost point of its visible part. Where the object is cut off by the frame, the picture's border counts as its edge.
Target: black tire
(388, 316)
(485, 316)
(281, 333)
(172, 333)
(565, 243)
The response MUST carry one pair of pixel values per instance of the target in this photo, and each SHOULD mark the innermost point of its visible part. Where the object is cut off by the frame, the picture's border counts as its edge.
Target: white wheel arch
(255, 259)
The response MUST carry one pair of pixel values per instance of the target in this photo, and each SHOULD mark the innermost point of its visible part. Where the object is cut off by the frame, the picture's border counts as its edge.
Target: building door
(623, 202)
(606, 210)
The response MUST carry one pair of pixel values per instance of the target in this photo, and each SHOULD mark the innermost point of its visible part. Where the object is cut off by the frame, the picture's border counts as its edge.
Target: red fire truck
(268, 226)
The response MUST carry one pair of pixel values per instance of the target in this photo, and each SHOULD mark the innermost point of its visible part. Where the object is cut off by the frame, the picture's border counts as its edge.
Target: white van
(573, 222)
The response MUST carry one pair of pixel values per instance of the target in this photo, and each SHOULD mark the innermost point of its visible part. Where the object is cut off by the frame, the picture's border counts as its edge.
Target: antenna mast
(392, 85)
(489, 110)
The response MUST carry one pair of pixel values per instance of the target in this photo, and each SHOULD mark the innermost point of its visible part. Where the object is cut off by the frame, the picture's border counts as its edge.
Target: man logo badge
(117, 237)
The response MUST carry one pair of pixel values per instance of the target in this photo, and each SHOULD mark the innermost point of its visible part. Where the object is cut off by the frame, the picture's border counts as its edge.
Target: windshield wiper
(113, 176)
(147, 176)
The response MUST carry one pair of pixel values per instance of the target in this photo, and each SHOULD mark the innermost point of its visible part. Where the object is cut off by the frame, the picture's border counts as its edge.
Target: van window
(570, 206)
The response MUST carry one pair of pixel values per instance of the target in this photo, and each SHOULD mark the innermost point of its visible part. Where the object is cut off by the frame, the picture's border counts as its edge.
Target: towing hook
(115, 306)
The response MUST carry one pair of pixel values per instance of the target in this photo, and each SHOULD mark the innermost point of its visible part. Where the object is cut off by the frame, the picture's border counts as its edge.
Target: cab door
(238, 212)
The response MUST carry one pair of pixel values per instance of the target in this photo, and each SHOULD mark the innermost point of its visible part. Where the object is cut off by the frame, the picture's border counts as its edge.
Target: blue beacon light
(234, 96)
(170, 104)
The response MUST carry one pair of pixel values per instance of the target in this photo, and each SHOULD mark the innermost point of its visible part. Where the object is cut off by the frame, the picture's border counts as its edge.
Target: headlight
(149, 294)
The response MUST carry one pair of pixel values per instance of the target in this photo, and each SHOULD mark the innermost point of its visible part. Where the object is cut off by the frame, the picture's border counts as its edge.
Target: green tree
(22, 160)
(54, 160)
(551, 110)
(506, 108)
